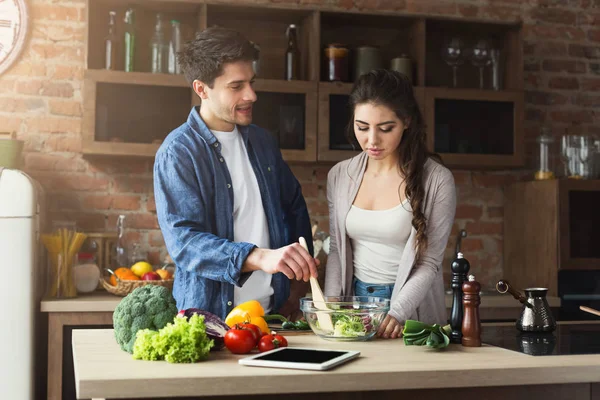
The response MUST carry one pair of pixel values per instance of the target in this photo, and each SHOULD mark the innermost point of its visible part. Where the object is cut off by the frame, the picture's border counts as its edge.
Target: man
(229, 208)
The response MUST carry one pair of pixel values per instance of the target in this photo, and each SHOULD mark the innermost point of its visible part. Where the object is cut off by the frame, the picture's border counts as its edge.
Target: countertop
(102, 370)
(102, 301)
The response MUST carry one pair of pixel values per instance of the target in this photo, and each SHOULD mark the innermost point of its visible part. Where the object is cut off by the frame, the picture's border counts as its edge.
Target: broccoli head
(147, 307)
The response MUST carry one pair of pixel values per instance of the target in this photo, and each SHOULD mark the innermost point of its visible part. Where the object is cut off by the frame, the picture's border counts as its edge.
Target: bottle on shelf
(545, 170)
(129, 40)
(110, 43)
(174, 47)
(158, 48)
(120, 258)
(292, 55)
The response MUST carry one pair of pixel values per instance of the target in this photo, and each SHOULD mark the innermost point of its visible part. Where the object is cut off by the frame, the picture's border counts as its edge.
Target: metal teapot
(535, 315)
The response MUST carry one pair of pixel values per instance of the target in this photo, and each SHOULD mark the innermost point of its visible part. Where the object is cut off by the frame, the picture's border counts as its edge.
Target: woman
(391, 208)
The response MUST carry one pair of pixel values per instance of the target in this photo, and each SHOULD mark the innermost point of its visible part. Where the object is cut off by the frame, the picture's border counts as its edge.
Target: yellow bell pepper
(248, 312)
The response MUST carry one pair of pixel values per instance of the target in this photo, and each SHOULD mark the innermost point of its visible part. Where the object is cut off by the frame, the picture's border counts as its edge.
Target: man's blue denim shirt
(194, 203)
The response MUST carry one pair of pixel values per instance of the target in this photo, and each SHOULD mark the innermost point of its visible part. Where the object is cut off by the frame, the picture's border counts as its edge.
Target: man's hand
(292, 260)
(390, 328)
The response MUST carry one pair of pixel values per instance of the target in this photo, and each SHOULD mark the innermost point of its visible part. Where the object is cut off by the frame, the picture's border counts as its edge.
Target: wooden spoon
(590, 310)
(324, 319)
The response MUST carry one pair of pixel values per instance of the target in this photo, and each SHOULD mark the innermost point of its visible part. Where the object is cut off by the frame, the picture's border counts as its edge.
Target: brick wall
(41, 99)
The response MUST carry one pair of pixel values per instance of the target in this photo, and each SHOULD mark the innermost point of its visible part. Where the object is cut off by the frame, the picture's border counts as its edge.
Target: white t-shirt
(249, 219)
(378, 238)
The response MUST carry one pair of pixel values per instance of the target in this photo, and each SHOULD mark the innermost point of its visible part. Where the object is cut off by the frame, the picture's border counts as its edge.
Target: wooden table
(94, 309)
(97, 308)
(392, 369)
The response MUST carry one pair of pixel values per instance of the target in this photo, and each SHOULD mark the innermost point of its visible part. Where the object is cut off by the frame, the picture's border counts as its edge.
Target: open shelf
(267, 28)
(308, 116)
(186, 12)
(505, 37)
(393, 35)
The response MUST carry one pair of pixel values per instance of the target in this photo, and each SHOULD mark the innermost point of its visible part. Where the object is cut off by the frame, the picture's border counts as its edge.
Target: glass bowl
(354, 318)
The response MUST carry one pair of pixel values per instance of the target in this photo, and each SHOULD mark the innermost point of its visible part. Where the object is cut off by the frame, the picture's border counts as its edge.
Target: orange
(123, 274)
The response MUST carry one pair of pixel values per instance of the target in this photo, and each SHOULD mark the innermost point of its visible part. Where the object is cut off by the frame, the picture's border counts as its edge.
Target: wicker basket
(123, 288)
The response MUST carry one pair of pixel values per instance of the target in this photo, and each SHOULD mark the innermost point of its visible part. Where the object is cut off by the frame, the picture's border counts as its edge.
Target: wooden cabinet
(288, 112)
(550, 226)
(475, 128)
(334, 118)
(129, 114)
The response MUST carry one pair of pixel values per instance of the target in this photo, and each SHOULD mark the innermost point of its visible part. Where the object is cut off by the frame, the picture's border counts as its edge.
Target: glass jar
(544, 169)
(336, 56)
(63, 246)
(86, 273)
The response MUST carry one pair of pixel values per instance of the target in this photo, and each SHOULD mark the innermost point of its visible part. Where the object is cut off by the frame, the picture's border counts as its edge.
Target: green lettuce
(183, 341)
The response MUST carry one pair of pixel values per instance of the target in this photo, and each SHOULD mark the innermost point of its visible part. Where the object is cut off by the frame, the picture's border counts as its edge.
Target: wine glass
(586, 152)
(453, 54)
(481, 57)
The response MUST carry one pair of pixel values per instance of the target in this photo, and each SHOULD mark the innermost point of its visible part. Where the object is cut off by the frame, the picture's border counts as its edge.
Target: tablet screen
(301, 356)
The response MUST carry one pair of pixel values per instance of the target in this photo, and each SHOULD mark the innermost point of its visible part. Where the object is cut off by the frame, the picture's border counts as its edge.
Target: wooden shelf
(110, 97)
(119, 149)
(135, 78)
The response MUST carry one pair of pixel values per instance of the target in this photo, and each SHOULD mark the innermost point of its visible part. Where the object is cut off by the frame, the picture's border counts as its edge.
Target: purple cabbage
(216, 328)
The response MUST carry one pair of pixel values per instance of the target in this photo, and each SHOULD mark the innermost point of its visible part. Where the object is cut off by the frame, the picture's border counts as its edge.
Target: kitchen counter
(103, 371)
(95, 310)
(101, 301)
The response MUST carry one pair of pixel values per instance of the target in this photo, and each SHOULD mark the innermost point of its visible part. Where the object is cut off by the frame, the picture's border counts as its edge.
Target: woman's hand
(390, 328)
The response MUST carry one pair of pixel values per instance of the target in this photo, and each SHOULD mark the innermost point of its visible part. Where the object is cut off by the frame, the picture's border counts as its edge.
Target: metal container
(366, 58)
(403, 64)
(536, 315)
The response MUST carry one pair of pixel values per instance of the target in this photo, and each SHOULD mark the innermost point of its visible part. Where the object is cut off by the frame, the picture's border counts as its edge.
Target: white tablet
(300, 358)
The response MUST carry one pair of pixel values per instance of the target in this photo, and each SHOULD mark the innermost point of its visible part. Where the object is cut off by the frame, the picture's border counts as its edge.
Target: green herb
(417, 333)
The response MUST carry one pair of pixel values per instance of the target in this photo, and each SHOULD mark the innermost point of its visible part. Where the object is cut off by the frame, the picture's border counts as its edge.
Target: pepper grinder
(471, 325)
(460, 269)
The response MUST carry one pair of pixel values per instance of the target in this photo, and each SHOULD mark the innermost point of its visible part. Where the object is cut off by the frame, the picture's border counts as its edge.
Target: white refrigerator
(23, 285)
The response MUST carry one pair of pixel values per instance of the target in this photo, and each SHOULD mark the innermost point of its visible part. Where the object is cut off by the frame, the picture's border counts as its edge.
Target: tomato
(240, 340)
(254, 328)
(272, 341)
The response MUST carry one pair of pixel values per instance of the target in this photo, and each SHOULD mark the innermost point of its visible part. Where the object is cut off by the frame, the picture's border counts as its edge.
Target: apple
(151, 276)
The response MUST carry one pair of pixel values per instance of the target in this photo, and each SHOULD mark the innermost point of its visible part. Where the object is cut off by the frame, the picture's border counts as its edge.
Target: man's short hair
(203, 58)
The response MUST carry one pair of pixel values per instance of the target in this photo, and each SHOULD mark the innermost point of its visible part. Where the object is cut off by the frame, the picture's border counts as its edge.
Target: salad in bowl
(346, 318)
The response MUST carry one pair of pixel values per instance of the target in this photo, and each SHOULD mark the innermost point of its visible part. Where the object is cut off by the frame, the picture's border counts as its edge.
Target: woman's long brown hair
(394, 90)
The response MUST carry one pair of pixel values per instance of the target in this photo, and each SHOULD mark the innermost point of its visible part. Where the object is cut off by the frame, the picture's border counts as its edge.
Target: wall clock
(14, 17)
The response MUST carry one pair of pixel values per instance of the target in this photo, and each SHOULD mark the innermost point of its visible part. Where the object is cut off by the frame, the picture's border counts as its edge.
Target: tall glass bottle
(174, 47)
(292, 54)
(129, 40)
(158, 48)
(110, 43)
(120, 250)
